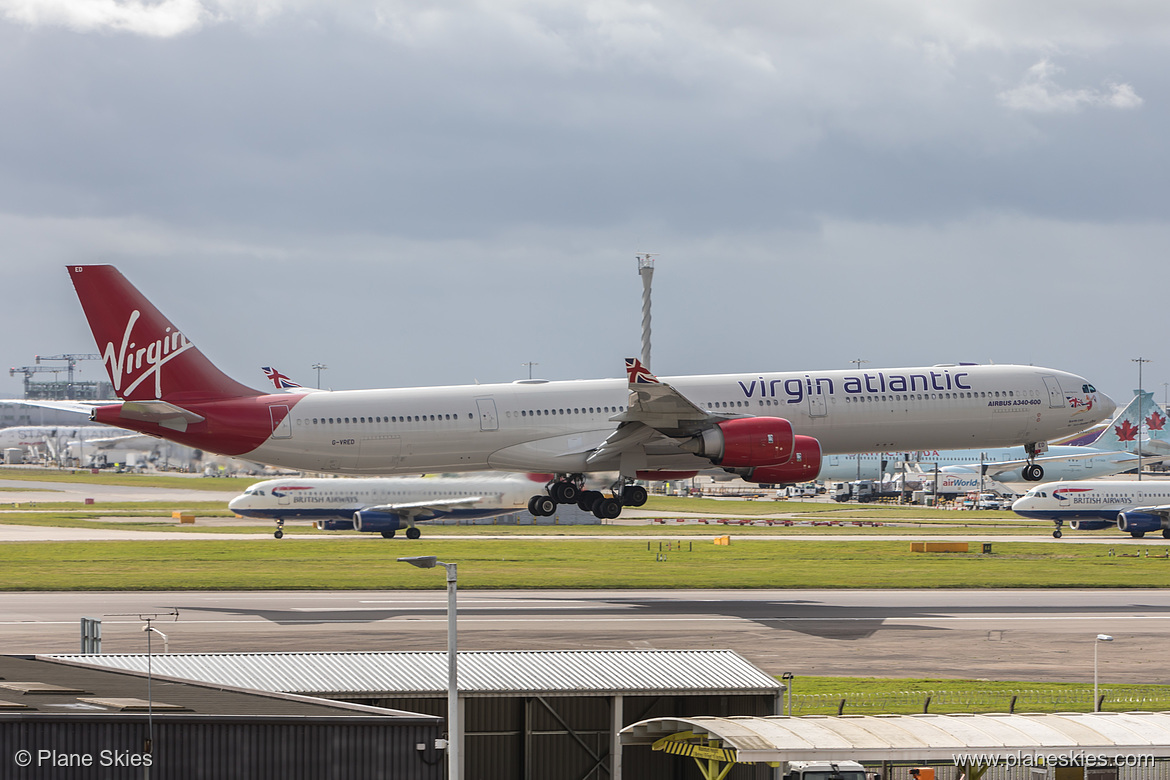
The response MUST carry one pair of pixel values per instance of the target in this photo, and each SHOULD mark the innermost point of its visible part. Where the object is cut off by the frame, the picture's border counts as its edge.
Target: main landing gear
(1058, 533)
(569, 489)
(1033, 472)
(411, 533)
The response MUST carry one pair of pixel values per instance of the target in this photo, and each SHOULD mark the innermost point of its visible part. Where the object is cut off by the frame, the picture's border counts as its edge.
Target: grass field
(106, 477)
(369, 563)
(866, 695)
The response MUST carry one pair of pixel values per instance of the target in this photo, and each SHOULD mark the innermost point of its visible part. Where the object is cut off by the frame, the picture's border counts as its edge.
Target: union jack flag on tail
(638, 374)
(278, 380)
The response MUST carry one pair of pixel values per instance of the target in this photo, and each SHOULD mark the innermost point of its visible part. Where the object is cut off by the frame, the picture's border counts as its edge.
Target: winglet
(638, 374)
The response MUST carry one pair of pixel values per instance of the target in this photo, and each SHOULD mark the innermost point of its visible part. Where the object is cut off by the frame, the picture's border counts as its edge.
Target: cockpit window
(1088, 389)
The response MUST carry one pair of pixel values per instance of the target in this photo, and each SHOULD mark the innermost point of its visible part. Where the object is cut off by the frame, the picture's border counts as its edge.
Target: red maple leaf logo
(1155, 421)
(1126, 431)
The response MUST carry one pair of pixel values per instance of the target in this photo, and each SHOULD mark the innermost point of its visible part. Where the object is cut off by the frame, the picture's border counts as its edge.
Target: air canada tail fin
(146, 356)
(1141, 417)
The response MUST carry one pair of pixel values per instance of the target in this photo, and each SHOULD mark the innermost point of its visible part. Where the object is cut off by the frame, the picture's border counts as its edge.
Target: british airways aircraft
(1135, 507)
(1113, 451)
(769, 428)
(385, 505)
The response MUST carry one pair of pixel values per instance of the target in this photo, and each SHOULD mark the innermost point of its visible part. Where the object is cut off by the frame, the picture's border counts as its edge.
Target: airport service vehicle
(803, 490)
(1113, 451)
(824, 770)
(769, 428)
(862, 490)
(384, 505)
(1136, 507)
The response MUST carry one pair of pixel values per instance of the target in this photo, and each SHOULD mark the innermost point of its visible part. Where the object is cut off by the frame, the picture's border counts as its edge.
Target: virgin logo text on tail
(131, 357)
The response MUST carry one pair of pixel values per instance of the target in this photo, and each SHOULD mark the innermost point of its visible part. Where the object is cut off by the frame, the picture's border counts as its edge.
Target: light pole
(1097, 699)
(454, 728)
(320, 367)
(150, 630)
(530, 364)
(788, 677)
(1141, 414)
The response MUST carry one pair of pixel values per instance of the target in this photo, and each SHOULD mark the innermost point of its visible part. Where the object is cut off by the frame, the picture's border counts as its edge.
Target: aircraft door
(281, 424)
(282, 497)
(1055, 395)
(488, 421)
(817, 406)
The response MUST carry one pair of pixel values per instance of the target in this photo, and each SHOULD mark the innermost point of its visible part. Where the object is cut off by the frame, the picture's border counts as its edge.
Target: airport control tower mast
(646, 271)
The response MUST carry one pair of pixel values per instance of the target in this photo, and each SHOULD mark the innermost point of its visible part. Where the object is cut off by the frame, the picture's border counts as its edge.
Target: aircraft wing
(1004, 466)
(424, 510)
(655, 412)
(81, 407)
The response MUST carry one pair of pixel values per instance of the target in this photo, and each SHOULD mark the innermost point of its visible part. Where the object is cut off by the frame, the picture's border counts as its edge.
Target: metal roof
(575, 672)
(40, 687)
(919, 737)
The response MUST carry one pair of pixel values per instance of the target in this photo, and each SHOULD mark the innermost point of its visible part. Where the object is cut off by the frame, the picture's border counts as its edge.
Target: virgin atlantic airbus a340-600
(769, 428)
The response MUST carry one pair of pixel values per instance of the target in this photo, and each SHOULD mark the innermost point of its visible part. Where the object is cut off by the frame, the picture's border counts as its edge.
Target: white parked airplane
(384, 505)
(63, 439)
(1135, 507)
(1112, 452)
(768, 428)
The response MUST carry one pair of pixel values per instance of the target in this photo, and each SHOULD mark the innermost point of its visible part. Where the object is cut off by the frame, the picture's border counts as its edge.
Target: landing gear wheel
(588, 499)
(1033, 473)
(542, 506)
(279, 534)
(1137, 534)
(387, 534)
(634, 495)
(1057, 534)
(413, 533)
(564, 492)
(607, 509)
(1166, 533)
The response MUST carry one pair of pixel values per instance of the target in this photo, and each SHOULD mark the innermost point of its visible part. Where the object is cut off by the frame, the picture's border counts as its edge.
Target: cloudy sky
(439, 192)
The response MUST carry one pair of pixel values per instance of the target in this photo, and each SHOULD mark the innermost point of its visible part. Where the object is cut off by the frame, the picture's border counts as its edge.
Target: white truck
(824, 770)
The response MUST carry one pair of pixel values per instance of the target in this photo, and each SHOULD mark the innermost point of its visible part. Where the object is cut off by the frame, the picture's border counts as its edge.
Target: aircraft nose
(237, 503)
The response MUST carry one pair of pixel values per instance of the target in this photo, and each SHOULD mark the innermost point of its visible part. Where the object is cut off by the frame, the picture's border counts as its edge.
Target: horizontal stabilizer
(165, 414)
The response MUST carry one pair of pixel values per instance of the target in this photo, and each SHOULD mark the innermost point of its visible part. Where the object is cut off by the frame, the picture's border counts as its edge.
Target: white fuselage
(32, 437)
(553, 426)
(322, 499)
(1085, 463)
(1091, 499)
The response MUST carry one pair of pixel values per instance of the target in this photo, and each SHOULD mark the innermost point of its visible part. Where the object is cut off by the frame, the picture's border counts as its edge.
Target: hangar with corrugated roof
(525, 714)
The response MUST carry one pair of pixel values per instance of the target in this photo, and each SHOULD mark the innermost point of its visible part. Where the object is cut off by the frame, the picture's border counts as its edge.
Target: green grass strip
(872, 695)
(369, 563)
(107, 477)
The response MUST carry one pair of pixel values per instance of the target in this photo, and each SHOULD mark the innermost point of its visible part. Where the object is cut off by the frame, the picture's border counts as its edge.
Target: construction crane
(71, 360)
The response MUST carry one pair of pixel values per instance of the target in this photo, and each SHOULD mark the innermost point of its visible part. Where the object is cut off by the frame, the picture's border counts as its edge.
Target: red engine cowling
(804, 466)
(753, 441)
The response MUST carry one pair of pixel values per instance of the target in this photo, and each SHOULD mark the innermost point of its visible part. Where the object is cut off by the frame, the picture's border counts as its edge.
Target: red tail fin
(146, 356)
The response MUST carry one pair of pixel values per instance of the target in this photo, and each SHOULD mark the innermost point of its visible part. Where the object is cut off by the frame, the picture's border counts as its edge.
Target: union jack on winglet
(638, 374)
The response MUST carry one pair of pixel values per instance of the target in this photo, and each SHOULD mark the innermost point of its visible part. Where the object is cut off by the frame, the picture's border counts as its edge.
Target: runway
(1024, 635)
